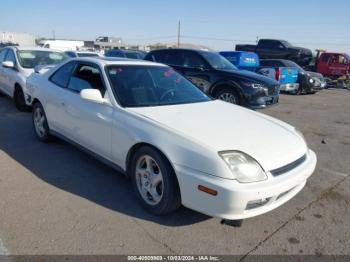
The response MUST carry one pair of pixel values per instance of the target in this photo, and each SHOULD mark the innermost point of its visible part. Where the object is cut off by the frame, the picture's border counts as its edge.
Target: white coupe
(17, 63)
(177, 145)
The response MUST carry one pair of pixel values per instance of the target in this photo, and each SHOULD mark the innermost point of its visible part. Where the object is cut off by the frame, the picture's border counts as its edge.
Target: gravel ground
(55, 199)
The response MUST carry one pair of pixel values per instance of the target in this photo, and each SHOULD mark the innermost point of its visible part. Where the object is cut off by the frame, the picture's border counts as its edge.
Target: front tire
(154, 181)
(41, 127)
(19, 100)
(228, 95)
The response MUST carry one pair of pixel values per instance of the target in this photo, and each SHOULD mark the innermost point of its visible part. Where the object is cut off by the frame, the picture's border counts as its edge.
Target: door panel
(88, 123)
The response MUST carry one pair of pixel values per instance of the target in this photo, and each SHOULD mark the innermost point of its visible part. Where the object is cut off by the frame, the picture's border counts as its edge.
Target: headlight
(311, 80)
(252, 85)
(244, 168)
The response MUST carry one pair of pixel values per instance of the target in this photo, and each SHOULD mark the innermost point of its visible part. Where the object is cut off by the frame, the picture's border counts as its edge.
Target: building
(22, 39)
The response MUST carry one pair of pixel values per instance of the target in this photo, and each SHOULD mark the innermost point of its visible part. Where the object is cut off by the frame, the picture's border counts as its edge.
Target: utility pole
(178, 34)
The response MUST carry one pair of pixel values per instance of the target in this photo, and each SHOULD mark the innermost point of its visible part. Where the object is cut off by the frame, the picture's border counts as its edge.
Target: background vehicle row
(217, 77)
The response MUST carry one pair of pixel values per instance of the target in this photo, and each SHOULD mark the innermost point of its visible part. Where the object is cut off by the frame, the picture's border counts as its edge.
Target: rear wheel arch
(19, 98)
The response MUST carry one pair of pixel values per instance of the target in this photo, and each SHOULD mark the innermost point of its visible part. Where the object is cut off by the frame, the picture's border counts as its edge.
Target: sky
(218, 24)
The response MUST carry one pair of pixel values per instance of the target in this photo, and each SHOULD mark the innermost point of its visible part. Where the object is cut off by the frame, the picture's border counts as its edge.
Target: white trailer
(63, 45)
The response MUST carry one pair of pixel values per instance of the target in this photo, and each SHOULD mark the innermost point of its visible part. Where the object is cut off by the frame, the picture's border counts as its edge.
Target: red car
(333, 65)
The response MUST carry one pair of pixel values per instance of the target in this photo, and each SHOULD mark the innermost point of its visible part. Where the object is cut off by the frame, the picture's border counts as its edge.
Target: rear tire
(154, 181)
(41, 127)
(19, 100)
(228, 95)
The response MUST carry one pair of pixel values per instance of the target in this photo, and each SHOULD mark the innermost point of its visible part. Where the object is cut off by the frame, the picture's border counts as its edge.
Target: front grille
(289, 167)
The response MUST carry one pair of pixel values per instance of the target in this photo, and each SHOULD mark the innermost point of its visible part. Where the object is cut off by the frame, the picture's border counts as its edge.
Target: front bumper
(290, 87)
(262, 98)
(242, 200)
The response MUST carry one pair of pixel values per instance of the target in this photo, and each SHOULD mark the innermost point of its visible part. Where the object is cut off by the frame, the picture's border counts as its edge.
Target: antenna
(178, 34)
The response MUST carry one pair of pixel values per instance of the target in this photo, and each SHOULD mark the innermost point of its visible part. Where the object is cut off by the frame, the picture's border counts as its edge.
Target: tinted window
(70, 54)
(86, 77)
(10, 56)
(140, 86)
(132, 55)
(169, 57)
(269, 44)
(193, 60)
(31, 59)
(62, 75)
(217, 61)
(2, 54)
(325, 58)
(175, 58)
(87, 54)
(272, 63)
(114, 53)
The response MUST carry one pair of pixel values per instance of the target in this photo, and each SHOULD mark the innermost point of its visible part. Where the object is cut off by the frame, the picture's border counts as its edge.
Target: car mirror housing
(8, 64)
(92, 95)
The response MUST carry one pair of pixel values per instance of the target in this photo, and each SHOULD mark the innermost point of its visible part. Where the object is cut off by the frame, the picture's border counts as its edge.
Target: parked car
(278, 49)
(319, 80)
(74, 54)
(6, 44)
(17, 63)
(305, 79)
(132, 54)
(217, 77)
(286, 76)
(153, 125)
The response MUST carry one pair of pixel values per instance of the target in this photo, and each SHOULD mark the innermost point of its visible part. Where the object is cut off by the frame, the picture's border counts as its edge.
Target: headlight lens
(252, 85)
(244, 168)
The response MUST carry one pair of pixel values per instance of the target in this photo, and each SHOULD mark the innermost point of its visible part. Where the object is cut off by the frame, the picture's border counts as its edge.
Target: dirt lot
(55, 199)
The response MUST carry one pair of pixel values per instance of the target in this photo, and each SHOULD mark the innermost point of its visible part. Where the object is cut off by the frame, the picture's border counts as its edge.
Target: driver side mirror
(8, 64)
(92, 95)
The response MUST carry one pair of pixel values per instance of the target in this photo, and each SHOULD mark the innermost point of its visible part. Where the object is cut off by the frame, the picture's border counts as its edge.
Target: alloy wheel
(39, 122)
(149, 180)
(228, 97)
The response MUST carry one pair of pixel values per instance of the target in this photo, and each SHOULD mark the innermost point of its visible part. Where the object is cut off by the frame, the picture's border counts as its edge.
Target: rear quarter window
(62, 75)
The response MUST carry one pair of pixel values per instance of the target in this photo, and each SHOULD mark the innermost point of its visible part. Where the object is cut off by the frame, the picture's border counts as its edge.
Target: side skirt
(93, 154)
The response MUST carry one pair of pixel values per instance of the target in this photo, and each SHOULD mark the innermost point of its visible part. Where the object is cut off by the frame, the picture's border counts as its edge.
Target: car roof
(102, 60)
(182, 49)
(32, 48)
(277, 60)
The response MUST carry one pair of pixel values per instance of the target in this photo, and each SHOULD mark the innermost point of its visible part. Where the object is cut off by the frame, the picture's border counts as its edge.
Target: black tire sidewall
(171, 194)
(19, 100)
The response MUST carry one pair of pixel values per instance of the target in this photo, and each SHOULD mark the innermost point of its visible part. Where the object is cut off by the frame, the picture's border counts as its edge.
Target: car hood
(221, 126)
(250, 76)
(27, 71)
(302, 49)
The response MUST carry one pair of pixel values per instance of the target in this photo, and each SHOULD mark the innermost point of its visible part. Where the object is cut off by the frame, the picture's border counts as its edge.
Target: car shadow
(67, 168)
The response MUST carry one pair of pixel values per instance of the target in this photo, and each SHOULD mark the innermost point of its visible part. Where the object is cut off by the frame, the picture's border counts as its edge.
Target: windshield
(286, 43)
(217, 61)
(31, 59)
(140, 86)
(290, 63)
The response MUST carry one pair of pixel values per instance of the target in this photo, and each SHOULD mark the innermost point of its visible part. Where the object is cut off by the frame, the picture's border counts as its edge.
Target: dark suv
(217, 77)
